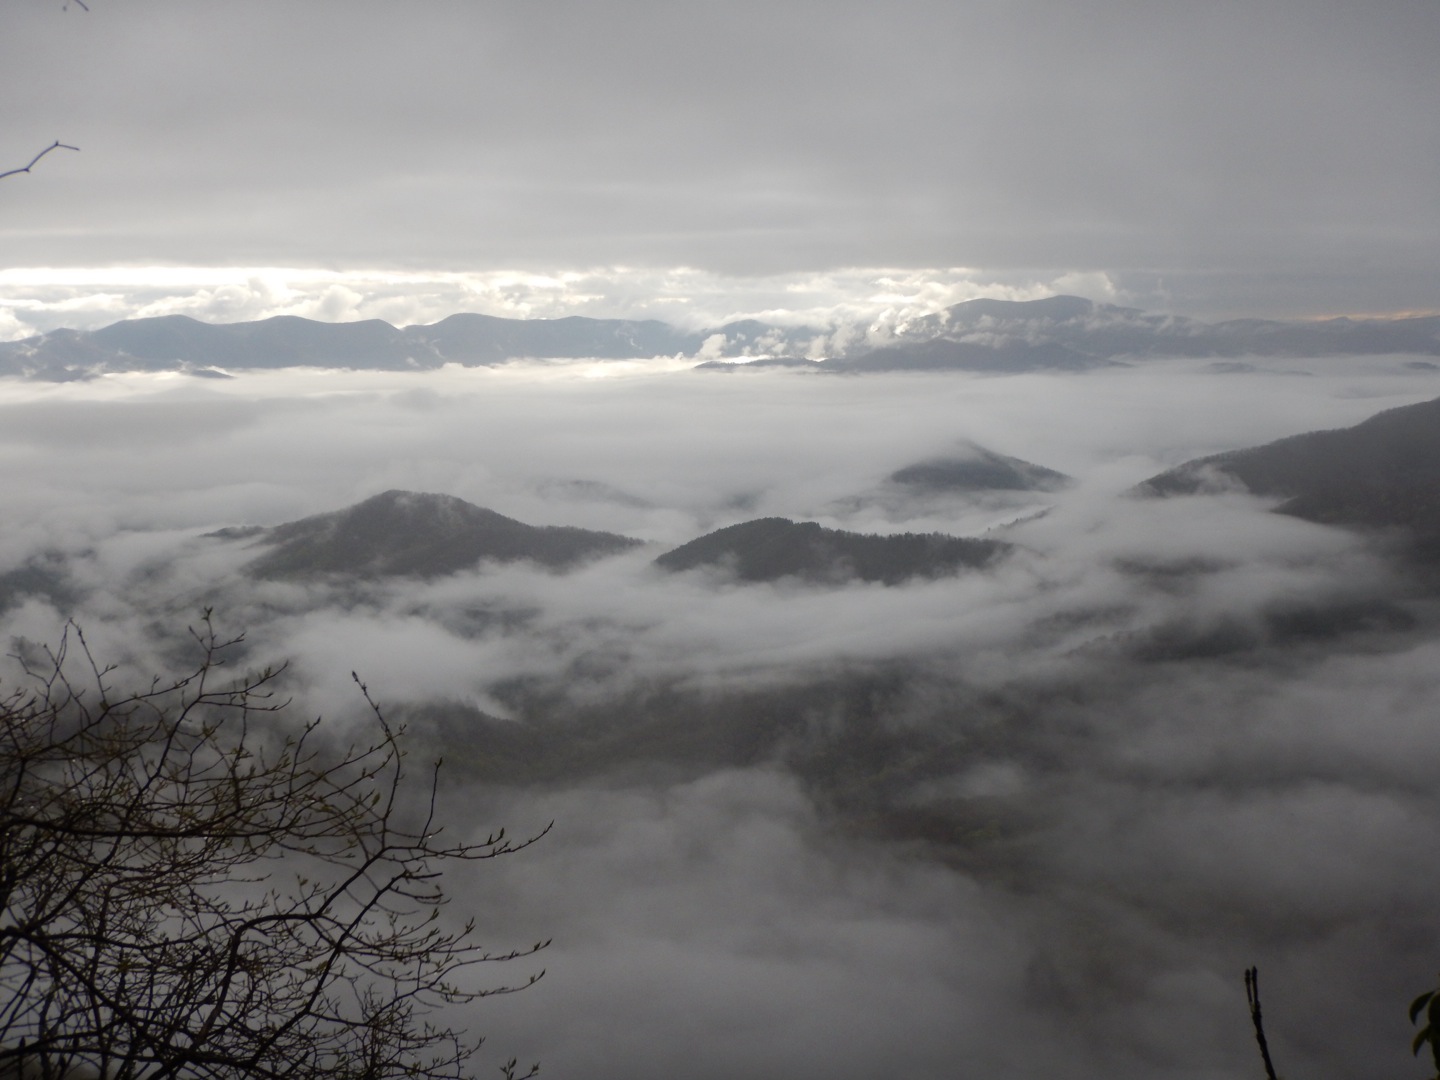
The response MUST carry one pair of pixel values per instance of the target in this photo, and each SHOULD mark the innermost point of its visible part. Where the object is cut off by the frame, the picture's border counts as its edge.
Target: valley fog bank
(1031, 820)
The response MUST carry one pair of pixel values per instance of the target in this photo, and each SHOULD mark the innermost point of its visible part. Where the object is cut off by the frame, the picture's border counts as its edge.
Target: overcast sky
(1276, 157)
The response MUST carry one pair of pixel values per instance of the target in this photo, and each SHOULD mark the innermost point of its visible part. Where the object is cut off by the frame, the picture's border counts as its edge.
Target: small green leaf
(1420, 1040)
(1418, 1004)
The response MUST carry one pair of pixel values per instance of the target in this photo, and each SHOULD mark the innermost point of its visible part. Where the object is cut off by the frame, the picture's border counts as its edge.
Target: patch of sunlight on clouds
(872, 300)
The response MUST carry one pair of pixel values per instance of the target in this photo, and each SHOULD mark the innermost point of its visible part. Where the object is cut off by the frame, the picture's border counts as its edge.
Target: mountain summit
(973, 468)
(417, 534)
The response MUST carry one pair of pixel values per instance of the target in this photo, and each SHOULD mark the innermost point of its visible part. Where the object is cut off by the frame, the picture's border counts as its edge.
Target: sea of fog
(1028, 821)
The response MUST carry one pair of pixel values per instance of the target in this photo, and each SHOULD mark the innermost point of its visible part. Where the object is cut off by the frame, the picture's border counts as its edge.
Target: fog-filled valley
(1029, 811)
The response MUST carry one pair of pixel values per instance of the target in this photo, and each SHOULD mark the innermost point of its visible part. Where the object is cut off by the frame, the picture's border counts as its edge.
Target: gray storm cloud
(1158, 816)
(1269, 160)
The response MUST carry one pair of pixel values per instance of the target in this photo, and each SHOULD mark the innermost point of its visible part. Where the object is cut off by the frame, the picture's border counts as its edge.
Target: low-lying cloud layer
(1032, 820)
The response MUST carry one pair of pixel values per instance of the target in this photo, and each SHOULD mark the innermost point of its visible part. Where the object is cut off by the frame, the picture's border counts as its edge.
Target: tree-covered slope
(1383, 473)
(425, 535)
(768, 549)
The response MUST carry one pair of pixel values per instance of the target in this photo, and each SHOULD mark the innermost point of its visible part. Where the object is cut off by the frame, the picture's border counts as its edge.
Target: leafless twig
(56, 145)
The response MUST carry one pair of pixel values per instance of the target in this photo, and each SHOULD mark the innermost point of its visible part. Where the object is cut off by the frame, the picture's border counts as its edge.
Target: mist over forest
(1024, 814)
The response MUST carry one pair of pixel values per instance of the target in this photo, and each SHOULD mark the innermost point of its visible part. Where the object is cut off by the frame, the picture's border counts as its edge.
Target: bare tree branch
(190, 892)
(1252, 995)
(56, 145)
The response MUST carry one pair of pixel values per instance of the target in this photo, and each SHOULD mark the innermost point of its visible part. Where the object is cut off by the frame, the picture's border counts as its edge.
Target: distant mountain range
(180, 343)
(1065, 333)
(1381, 474)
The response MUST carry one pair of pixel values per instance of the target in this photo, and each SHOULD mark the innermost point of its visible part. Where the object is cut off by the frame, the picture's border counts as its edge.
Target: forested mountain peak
(768, 549)
(419, 534)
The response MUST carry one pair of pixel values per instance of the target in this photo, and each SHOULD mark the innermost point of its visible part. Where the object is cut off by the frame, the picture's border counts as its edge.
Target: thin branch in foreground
(56, 145)
(1252, 995)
